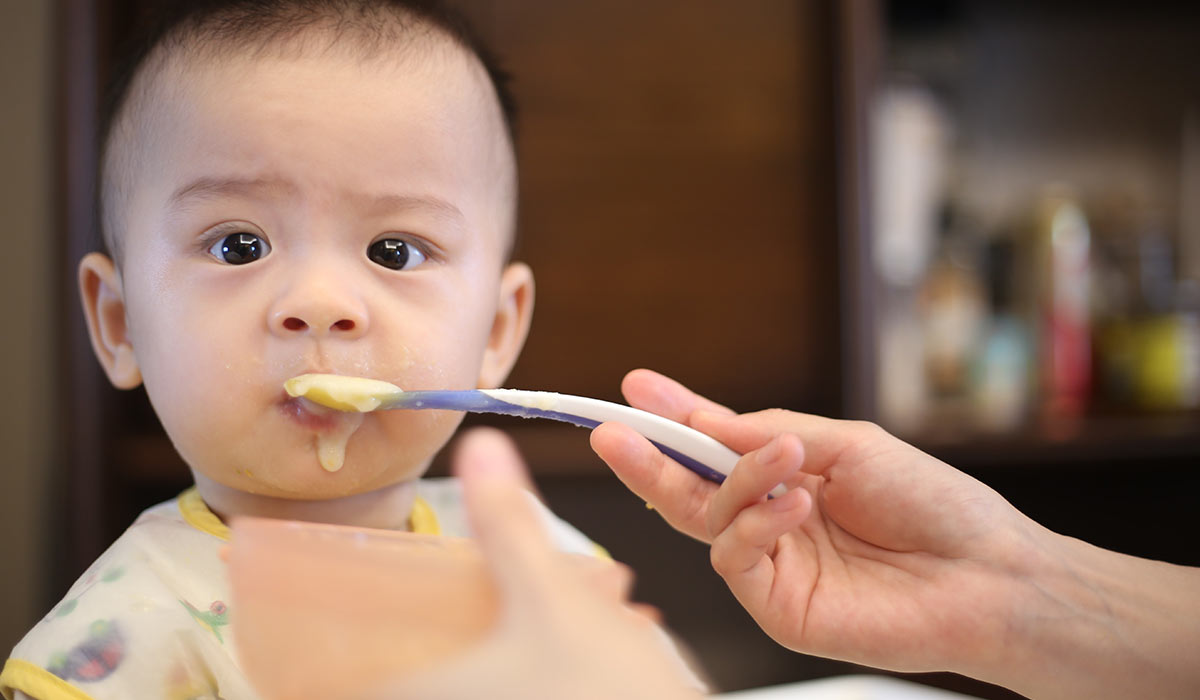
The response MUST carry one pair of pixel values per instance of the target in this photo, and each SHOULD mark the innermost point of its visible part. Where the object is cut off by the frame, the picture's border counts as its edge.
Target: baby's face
(314, 214)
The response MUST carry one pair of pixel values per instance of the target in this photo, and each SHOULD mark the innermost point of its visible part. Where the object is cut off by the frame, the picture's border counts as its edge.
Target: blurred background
(975, 222)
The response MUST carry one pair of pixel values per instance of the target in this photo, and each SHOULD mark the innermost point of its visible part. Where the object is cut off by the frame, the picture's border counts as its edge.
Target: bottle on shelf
(953, 313)
(1062, 267)
(1001, 378)
(1148, 346)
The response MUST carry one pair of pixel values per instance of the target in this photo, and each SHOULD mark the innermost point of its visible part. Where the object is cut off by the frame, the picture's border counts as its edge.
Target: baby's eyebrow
(215, 187)
(211, 187)
(435, 206)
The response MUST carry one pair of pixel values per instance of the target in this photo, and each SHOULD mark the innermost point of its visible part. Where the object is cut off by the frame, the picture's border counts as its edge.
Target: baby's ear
(104, 308)
(514, 312)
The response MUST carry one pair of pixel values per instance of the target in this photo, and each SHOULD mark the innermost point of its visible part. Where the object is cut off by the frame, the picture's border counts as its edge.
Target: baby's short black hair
(256, 25)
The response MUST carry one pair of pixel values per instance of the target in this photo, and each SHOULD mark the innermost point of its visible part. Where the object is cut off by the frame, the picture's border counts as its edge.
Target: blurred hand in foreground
(565, 628)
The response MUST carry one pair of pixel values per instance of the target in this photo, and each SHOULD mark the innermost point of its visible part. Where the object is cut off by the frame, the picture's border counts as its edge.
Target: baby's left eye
(395, 254)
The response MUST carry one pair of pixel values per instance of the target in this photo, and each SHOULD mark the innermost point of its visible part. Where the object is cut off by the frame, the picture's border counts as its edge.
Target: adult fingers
(610, 579)
(647, 613)
(611, 582)
(824, 439)
(503, 517)
(657, 393)
(744, 554)
(754, 476)
(679, 495)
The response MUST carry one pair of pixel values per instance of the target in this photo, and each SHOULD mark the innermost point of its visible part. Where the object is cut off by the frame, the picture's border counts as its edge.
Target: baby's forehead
(294, 30)
(162, 88)
(404, 47)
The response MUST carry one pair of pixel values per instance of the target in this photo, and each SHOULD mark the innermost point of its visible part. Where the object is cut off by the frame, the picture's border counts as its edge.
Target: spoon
(691, 448)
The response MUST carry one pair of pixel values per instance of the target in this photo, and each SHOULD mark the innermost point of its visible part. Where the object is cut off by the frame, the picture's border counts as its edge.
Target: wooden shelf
(1107, 438)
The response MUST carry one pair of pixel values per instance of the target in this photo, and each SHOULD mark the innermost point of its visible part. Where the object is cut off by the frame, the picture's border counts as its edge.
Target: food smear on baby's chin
(341, 392)
(331, 444)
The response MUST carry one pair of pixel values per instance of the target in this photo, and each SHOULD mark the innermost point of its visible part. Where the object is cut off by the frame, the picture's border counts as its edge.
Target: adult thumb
(503, 513)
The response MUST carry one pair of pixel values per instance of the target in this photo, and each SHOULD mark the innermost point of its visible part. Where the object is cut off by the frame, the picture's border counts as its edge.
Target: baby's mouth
(333, 429)
(311, 415)
(343, 392)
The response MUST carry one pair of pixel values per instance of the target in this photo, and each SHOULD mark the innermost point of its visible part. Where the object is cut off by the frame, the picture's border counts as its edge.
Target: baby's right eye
(240, 248)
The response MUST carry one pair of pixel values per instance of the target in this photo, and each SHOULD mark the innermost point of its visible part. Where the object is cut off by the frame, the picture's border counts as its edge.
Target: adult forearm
(1098, 624)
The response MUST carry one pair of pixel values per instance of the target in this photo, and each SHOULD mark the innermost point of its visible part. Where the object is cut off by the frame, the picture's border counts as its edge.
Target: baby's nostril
(294, 324)
(344, 325)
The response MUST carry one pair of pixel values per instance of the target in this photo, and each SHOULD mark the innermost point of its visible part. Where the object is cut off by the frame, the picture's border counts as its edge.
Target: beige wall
(27, 270)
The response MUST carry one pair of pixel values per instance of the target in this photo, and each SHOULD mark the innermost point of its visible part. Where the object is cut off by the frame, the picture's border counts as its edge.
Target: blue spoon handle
(691, 448)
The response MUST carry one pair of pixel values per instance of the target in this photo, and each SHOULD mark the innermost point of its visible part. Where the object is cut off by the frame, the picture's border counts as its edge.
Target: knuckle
(746, 529)
(776, 416)
(622, 576)
(697, 505)
(868, 429)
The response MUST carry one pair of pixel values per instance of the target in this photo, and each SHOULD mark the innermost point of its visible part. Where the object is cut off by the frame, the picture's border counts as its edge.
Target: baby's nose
(295, 323)
(319, 311)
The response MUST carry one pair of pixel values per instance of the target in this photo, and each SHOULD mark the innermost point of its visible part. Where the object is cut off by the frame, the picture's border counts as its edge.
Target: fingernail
(487, 456)
(482, 467)
(770, 452)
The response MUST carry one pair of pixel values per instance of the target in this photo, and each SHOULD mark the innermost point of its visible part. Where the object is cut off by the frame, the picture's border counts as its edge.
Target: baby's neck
(387, 508)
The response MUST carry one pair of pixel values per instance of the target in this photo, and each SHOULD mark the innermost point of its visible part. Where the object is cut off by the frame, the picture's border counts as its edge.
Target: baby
(288, 187)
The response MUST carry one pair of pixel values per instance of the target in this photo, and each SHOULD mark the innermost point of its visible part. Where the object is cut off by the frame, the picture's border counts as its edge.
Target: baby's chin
(380, 452)
(299, 471)
(312, 482)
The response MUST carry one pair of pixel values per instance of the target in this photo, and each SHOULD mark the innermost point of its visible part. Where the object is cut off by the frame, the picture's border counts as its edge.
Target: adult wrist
(1088, 622)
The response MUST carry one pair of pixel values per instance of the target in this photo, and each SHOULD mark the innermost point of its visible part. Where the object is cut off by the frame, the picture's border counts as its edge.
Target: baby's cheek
(410, 440)
(438, 369)
(419, 430)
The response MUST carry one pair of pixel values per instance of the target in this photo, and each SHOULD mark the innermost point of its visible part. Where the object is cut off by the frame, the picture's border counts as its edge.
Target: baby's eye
(395, 254)
(240, 248)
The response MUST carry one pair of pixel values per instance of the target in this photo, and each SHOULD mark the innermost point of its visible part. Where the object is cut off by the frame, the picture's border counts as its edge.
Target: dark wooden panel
(676, 201)
(83, 495)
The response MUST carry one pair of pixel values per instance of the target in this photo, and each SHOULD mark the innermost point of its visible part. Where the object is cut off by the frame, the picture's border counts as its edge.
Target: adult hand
(565, 628)
(904, 562)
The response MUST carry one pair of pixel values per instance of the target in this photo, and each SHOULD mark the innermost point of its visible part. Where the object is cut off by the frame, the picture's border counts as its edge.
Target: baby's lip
(311, 415)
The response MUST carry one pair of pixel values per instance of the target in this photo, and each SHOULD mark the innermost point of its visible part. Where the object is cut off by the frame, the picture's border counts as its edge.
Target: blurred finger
(647, 612)
(678, 494)
(487, 454)
(503, 516)
(640, 616)
(612, 580)
(657, 393)
(755, 475)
